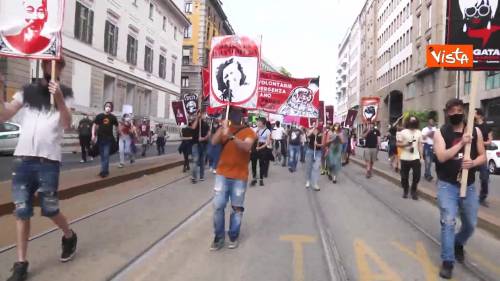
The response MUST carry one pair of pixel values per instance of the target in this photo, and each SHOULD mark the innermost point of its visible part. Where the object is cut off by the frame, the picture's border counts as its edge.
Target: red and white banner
(180, 112)
(31, 28)
(369, 108)
(289, 96)
(329, 114)
(234, 71)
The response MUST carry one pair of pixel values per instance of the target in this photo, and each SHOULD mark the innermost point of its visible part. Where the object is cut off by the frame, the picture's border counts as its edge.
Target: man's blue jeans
(104, 149)
(484, 176)
(228, 189)
(199, 151)
(428, 159)
(313, 163)
(293, 152)
(450, 205)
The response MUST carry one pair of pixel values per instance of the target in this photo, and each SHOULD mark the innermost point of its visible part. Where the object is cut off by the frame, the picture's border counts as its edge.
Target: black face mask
(456, 119)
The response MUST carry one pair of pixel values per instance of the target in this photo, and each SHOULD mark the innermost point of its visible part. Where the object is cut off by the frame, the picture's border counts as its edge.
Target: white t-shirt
(262, 134)
(41, 134)
(407, 136)
(425, 135)
(278, 133)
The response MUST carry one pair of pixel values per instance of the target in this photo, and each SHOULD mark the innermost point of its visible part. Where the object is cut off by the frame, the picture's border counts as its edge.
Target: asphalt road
(357, 229)
(72, 160)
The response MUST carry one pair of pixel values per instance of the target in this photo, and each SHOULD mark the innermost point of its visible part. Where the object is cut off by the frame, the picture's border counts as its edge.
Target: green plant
(422, 116)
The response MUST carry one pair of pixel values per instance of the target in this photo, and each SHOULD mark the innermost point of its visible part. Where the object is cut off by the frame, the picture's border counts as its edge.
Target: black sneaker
(19, 271)
(261, 182)
(217, 244)
(414, 196)
(68, 248)
(405, 195)
(446, 271)
(194, 181)
(459, 253)
(253, 182)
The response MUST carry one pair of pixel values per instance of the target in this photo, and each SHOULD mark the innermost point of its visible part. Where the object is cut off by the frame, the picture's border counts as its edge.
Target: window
(419, 19)
(132, 45)
(173, 71)
(175, 33)
(429, 14)
(84, 23)
(186, 55)
(110, 38)
(6, 127)
(467, 80)
(148, 59)
(188, 8)
(188, 32)
(162, 71)
(412, 90)
(164, 24)
(185, 81)
(492, 80)
(134, 2)
(151, 10)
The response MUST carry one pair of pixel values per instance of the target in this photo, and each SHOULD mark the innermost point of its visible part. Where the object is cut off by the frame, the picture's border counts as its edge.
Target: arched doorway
(394, 102)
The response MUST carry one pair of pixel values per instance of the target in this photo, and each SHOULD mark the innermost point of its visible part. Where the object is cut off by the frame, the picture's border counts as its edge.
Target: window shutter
(90, 27)
(77, 20)
(115, 43)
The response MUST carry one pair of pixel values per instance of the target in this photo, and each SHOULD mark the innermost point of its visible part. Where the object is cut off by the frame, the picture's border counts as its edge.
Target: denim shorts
(35, 175)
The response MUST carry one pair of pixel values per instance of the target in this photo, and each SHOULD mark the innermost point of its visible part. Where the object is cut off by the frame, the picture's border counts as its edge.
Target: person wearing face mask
(428, 138)
(449, 146)
(127, 132)
(232, 176)
(334, 142)
(410, 142)
(484, 173)
(372, 141)
(85, 135)
(102, 134)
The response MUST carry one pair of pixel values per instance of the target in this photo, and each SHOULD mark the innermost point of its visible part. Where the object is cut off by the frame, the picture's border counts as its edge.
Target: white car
(493, 156)
(9, 135)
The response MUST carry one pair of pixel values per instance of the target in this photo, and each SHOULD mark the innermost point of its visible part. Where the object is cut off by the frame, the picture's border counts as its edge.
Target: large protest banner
(329, 114)
(289, 96)
(477, 23)
(31, 28)
(234, 71)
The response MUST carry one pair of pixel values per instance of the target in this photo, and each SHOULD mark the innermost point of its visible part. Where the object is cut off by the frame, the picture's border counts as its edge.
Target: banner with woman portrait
(234, 71)
(289, 96)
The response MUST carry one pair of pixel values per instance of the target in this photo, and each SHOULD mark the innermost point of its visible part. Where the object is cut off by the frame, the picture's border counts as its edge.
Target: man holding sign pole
(449, 146)
(38, 158)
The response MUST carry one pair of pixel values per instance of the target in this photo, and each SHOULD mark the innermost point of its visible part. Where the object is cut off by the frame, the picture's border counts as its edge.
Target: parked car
(9, 135)
(384, 145)
(493, 156)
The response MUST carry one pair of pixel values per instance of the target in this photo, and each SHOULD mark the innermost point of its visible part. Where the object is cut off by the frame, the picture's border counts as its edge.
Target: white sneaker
(316, 188)
(308, 184)
(214, 172)
(81, 161)
(91, 158)
(121, 166)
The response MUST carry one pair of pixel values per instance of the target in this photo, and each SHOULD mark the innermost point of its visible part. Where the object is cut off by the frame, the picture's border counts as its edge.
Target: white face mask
(107, 109)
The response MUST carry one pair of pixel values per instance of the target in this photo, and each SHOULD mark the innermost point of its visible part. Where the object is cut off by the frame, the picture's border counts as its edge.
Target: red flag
(369, 108)
(329, 114)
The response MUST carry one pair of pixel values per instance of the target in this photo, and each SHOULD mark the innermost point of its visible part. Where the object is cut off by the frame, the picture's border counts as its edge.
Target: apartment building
(127, 52)
(208, 20)
(342, 82)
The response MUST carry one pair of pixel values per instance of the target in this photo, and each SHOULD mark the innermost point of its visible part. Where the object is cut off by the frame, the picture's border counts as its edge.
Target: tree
(285, 72)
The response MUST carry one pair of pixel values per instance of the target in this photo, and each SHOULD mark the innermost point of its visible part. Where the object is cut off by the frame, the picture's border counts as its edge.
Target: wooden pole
(470, 127)
(53, 78)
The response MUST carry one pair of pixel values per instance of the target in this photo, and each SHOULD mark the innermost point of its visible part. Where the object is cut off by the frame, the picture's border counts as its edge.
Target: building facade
(393, 38)
(127, 52)
(342, 82)
(208, 20)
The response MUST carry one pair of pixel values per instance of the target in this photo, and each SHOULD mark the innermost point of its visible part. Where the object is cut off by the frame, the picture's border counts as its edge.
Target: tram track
(471, 268)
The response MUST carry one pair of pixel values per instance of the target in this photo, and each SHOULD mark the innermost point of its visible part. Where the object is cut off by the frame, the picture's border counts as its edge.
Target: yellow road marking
(421, 255)
(363, 252)
(298, 242)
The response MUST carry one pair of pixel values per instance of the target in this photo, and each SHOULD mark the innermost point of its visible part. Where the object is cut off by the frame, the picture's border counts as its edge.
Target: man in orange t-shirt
(232, 176)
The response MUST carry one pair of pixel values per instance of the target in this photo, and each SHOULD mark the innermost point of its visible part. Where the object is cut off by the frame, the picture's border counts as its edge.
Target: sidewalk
(488, 218)
(78, 181)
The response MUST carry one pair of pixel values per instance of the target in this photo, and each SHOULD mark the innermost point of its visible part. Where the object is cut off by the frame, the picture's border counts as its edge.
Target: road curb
(97, 184)
(484, 222)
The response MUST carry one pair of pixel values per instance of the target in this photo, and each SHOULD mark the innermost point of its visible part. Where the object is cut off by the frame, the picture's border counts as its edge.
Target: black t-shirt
(85, 128)
(449, 170)
(311, 139)
(485, 130)
(294, 136)
(106, 122)
(204, 132)
(372, 138)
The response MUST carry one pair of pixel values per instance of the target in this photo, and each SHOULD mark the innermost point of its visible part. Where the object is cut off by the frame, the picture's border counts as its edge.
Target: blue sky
(301, 35)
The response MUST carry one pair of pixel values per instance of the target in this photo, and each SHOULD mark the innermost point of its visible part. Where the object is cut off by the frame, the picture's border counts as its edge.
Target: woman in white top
(410, 142)
(261, 152)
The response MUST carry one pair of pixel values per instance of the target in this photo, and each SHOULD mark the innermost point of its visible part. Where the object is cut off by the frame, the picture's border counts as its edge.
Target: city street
(358, 229)
(72, 160)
